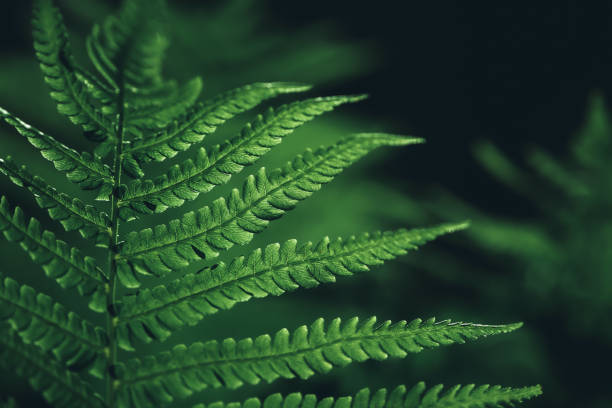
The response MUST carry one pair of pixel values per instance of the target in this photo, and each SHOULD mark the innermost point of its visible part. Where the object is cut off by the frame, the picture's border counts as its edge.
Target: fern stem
(111, 315)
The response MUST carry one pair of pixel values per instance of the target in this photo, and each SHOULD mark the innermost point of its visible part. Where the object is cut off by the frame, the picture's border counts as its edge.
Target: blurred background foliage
(483, 82)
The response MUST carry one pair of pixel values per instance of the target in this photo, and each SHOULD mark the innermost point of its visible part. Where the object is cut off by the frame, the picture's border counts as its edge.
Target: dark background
(515, 73)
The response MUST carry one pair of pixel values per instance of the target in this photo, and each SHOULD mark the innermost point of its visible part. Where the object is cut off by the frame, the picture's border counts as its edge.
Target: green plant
(135, 117)
(562, 251)
(553, 252)
(570, 270)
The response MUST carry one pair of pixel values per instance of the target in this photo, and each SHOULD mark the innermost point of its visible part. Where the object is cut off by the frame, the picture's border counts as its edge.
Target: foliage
(563, 268)
(571, 272)
(136, 117)
(416, 397)
(553, 252)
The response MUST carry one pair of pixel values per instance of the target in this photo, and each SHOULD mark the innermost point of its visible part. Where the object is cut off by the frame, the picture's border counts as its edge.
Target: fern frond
(192, 177)
(56, 62)
(60, 387)
(72, 213)
(66, 265)
(309, 350)
(154, 314)
(80, 168)
(204, 118)
(459, 396)
(40, 321)
(264, 197)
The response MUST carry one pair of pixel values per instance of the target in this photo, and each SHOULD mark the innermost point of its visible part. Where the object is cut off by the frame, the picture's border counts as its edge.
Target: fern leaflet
(38, 320)
(60, 387)
(203, 119)
(154, 314)
(264, 197)
(308, 350)
(60, 262)
(80, 168)
(459, 396)
(192, 177)
(56, 62)
(72, 213)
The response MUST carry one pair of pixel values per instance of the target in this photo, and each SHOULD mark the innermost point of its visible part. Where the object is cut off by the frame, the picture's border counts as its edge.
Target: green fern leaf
(60, 387)
(264, 197)
(469, 396)
(80, 168)
(309, 350)
(204, 118)
(38, 320)
(459, 396)
(192, 177)
(60, 262)
(72, 213)
(154, 314)
(56, 62)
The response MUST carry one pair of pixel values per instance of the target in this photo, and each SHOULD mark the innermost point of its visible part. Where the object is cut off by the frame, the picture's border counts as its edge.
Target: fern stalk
(111, 289)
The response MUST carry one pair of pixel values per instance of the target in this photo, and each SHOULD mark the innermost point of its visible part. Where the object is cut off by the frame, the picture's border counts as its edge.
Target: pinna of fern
(136, 117)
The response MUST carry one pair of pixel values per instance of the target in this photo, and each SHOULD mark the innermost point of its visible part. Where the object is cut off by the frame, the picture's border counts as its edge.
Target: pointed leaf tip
(460, 226)
(357, 97)
(514, 326)
(390, 138)
(289, 87)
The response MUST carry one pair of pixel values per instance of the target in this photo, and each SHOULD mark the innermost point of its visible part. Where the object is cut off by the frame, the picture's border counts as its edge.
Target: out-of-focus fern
(564, 252)
(9, 403)
(135, 116)
(556, 255)
(571, 271)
